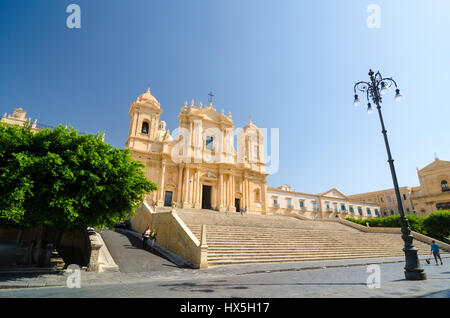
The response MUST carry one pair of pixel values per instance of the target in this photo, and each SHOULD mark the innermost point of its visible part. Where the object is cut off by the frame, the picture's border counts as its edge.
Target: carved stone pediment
(209, 175)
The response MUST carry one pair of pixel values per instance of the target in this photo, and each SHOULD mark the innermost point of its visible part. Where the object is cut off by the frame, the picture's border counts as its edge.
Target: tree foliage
(436, 224)
(60, 179)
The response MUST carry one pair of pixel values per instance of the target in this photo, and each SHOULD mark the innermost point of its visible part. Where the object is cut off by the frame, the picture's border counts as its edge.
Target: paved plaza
(328, 279)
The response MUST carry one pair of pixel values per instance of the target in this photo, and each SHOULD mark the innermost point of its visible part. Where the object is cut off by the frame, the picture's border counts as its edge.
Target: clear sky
(288, 64)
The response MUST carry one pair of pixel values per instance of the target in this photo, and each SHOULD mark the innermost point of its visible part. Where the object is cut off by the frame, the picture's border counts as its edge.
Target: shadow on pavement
(136, 244)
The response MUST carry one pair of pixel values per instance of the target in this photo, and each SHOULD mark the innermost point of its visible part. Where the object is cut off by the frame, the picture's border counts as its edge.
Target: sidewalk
(249, 272)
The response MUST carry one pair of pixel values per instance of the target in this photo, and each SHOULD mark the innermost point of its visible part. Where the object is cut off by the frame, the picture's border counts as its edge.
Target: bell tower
(251, 147)
(144, 122)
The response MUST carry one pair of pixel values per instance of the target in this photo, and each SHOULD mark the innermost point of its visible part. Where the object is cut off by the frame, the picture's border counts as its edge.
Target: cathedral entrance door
(206, 197)
(168, 198)
(443, 206)
(237, 204)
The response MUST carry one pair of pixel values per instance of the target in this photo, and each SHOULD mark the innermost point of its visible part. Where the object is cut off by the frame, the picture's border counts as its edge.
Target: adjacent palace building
(432, 194)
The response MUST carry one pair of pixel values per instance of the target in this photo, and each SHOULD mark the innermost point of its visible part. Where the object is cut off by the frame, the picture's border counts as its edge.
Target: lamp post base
(415, 275)
(413, 270)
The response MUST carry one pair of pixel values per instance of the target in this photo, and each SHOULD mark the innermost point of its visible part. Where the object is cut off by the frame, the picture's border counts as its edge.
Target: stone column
(233, 191)
(186, 187)
(229, 193)
(199, 188)
(248, 195)
(244, 193)
(194, 188)
(264, 197)
(161, 184)
(220, 192)
(180, 185)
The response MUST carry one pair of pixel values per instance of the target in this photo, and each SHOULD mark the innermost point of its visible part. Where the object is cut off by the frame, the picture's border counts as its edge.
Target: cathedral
(198, 165)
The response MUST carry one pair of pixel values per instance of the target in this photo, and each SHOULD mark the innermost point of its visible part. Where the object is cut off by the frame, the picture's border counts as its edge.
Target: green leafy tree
(438, 224)
(58, 179)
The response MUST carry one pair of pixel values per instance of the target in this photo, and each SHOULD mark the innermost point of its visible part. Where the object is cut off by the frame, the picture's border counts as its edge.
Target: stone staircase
(236, 239)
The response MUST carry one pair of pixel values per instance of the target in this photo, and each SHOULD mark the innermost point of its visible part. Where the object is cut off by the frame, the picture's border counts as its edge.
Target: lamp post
(376, 87)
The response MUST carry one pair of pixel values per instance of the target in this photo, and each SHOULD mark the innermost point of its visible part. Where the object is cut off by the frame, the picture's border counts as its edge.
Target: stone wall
(395, 230)
(171, 233)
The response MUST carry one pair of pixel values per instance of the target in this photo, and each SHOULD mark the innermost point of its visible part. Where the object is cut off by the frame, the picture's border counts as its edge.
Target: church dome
(147, 98)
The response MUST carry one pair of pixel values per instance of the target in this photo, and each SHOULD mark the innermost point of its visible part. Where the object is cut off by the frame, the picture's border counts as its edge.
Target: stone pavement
(126, 250)
(327, 279)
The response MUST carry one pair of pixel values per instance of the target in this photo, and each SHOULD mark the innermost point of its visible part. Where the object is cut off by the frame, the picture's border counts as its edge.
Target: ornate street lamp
(374, 89)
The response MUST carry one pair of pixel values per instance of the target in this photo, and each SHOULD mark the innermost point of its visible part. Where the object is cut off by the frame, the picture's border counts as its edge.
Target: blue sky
(288, 64)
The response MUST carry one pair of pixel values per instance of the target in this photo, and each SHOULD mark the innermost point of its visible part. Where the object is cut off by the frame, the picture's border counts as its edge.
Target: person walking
(152, 238)
(435, 251)
(145, 237)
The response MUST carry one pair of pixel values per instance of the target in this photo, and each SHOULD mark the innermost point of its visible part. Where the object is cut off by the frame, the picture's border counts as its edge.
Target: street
(331, 279)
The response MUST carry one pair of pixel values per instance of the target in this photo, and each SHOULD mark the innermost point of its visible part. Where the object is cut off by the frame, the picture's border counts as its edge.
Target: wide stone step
(235, 239)
(295, 245)
(265, 230)
(294, 254)
(286, 257)
(300, 259)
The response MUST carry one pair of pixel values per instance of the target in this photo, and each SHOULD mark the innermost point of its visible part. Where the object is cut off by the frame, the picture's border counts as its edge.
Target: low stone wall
(9, 235)
(395, 230)
(100, 259)
(427, 239)
(19, 236)
(171, 233)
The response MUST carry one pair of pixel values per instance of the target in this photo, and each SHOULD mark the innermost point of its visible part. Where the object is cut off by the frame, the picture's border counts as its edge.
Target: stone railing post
(203, 249)
(95, 251)
(93, 260)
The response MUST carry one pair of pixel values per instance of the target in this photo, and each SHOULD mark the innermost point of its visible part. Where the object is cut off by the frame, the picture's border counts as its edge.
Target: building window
(275, 202)
(302, 203)
(404, 197)
(377, 213)
(351, 210)
(360, 211)
(368, 211)
(343, 207)
(314, 205)
(257, 195)
(255, 153)
(392, 212)
(289, 202)
(444, 186)
(144, 129)
(335, 207)
(209, 143)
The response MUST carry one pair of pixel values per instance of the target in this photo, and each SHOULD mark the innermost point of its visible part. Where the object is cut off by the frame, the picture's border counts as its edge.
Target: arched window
(144, 128)
(444, 186)
(209, 143)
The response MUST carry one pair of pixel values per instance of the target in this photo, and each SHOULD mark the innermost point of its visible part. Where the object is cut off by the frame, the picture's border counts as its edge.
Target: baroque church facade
(198, 166)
